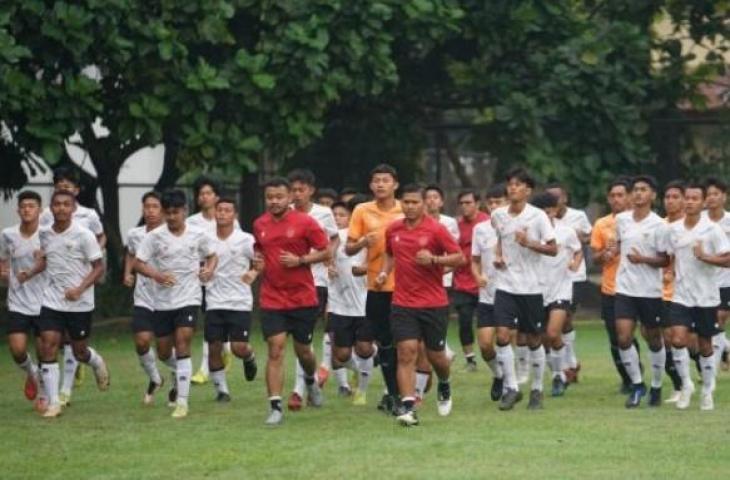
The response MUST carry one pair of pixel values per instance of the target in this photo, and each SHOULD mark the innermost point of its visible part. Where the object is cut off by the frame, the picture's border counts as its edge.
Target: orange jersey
(368, 218)
(604, 232)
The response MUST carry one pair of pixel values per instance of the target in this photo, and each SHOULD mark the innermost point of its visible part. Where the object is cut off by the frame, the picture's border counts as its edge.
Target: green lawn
(588, 433)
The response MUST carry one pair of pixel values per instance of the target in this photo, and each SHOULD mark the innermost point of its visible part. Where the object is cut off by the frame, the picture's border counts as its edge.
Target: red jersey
(463, 279)
(285, 288)
(418, 286)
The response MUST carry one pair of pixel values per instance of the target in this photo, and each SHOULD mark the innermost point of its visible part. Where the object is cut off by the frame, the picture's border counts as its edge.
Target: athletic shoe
(101, 373)
(181, 411)
(674, 397)
(249, 370)
(295, 402)
(655, 397)
(275, 418)
(314, 395)
(172, 397)
(509, 399)
(625, 389)
(227, 359)
(344, 391)
(223, 397)
(360, 399)
(397, 408)
(52, 411)
(707, 403)
(471, 366)
(323, 373)
(685, 396)
(559, 387)
(152, 388)
(535, 402)
(79, 375)
(408, 419)
(199, 378)
(443, 400)
(31, 387)
(64, 399)
(497, 387)
(637, 393)
(386, 404)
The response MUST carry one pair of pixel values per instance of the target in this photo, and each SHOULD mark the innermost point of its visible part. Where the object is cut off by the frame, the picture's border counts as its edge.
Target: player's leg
(670, 367)
(465, 305)
(650, 311)
(704, 320)
(342, 336)
(143, 336)
(326, 364)
(216, 333)
(201, 376)
(531, 320)
(71, 370)
(522, 354)
(378, 314)
(300, 324)
(679, 323)
(486, 338)
(79, 330)
(51, 327)
(184, 321)
(505, 312)
(626, 314)
(423, 373)
(557, 316)
(434, 325)
(276, 343)
(364, 355)
(19, 326)
(164, 330)
(239, 328)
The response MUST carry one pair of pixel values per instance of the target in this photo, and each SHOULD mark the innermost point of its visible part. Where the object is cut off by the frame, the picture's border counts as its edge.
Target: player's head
(496, 197)
(695, 195)
(277, 196)
(152, 208)
(383, 181)
(519, 185)
(303, 186)
(63, 204)
(716, 195)
(617, 194)
(413, 201)
(29, 206)
(342, 212)
(326, 197)
(434, 199)
(546, 201)
(468, 201)
(674, 198)
(643, 190)
(175, 208)
(347, 193)
(226, 211)
(66, 179)
(206, 191)
(560, 192)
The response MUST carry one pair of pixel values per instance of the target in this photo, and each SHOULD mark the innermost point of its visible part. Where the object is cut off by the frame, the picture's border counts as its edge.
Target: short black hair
(63, 193)
(520, 174)
(66, 173)
(384, 168)
(303, 175)
(204, 181)
(229, 200)
(152, 194)
(716, 182)
(466, 193)
(277, 182)
(341, 204)
(698, 186)
(356, 200)
(544, 200)
(413, 188)
(498, 190)
(349, 191)
(557, 185)
(643, 178)
(174, 199)
(327, 193)
(675, 184)
(621, 181)
(29, 195)
(434, 188)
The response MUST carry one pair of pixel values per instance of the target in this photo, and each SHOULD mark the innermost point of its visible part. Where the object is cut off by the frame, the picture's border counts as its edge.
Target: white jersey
(86, 217)
(522, 275)
(209, 226)
(723, 274)
(483, 245)
(347, 293)
(648, 238)
(326, 219)
(69, 255)
(226, 290)
(557, 281)
(144, 288)
(578, 221)
(180, 255)
(20, 251)
(453, 227)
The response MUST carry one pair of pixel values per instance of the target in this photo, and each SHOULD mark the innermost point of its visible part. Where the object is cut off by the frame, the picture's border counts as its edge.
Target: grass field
(586, 434)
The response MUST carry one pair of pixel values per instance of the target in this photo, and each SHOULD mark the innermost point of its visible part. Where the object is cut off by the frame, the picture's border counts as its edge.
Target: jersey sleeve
(4, 253)
(719, 241)
(91, 247)
(545, 228)
(476, 250)
(95, 224)
(454, 230)
(248, 248)
(316, 237)
(597, 240)
(446, 241)
(356, 229)
(330, 226)
(146, 248)
(661, 239)
(132, 242)
(584, 226)
(574, 243)
(206, 248)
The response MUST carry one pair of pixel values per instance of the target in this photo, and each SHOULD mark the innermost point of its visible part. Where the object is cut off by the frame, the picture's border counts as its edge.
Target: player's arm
(386, 269)
(602, 252)
(451, 257)
(549, 248)
(101, 240)
(660, 260)
(716, 260)
(476, 271)
(144, 268)
(576, 261)
(4, 271)
(207, 269)
(39, 265)
(97, 271)
(128, 269)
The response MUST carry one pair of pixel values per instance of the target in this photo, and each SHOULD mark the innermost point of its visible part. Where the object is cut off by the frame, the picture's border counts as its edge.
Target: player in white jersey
(303, 189)
(578, 221)
(171, 255)
(640, 234)
(19, 246)
(72, 260)
(353, 337)
(483, 251)
(229, 298)
(557, 287)
(143, 313)
(715, 205)
(699, 248)
(525, 234)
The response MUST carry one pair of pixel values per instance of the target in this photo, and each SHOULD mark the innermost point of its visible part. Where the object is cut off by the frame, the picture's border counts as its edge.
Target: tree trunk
(249, 200)
(170, 172)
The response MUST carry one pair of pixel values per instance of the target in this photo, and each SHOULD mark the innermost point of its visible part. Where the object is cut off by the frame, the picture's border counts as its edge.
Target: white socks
(506, 360)
(719, 343)
(522, 353)
(95, 360)
(571, 361)
(183, 372)
(365, 368)
(341, 376)
(28, 366)
(50, 373)
(204, 359)
(299, 384)
(630, 359)
(495, 368)
(69, 370)
(557, 357)
(681, 363)
(421, 384)
(326, 351)
(658, 361)
(148, 361)
(537, 365)
(708, 373)
(219, 380)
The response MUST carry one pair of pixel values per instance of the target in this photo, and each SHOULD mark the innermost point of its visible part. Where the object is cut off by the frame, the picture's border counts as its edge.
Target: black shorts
(349, 330)
(485, 316)
(460, 299)
(608, 308)
(167, 321)
(701, 320)
(77, 324)
(22, 323)
(427, 324)
(523, 312)
(143, 320)
(227, 325)
(377, 311)
(322, 295)
(646, 310)
(724, 299)
(299, 323)
(558, 305)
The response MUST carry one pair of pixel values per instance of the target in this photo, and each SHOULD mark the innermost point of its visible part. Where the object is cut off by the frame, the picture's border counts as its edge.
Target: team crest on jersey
(69, 245)
(397, 238)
